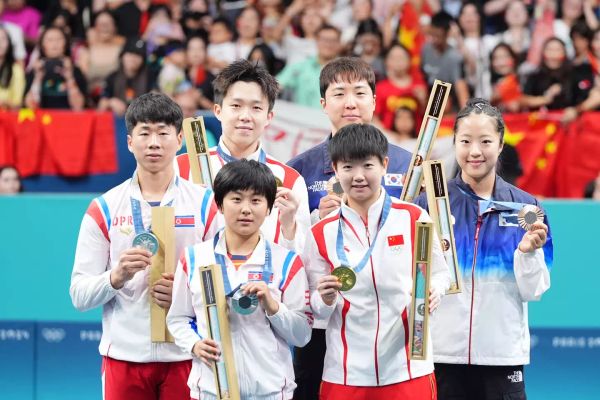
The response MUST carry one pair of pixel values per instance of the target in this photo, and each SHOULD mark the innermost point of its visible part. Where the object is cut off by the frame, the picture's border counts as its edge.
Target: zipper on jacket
(377, 299)
(477, 227)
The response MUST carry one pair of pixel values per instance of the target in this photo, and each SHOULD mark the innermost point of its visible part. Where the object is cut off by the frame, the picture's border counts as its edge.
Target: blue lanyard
(136, 211)
(262, 156)
(492, 205)
(267, 268)
(339, 245)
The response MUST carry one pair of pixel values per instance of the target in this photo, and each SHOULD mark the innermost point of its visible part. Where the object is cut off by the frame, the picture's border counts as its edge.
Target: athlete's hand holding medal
(531, 219)
(260, 290)
(131, 261)
(333, 200)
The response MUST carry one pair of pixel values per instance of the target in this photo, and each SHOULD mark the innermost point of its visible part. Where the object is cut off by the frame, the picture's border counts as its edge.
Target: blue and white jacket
(487, 323)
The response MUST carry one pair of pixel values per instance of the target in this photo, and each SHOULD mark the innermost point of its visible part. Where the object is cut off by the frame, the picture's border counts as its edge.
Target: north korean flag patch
(184, 221)
(395, 242)
(258, 276)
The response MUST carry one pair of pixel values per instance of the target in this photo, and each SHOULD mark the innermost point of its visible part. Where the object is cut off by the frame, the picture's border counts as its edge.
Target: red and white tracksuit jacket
(290, 178)
(106, 231)
(261, 343)
(367, 334)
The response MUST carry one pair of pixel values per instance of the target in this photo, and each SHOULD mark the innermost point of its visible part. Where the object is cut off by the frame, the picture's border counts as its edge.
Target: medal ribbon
(339, 245)
(136, 211)
(262, 156)
(267, 267)
(493, 205)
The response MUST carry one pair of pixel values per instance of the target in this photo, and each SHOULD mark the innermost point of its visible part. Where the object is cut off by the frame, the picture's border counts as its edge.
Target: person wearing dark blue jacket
(347, 88)
(481, 335)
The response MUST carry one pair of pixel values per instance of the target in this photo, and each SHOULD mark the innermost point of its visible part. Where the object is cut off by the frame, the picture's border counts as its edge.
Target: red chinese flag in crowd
(104, 148)
(537, 139)
(65, 143)
(28, 148)
(67, 139)
(410, 34)
(579, 156)
(7, 139)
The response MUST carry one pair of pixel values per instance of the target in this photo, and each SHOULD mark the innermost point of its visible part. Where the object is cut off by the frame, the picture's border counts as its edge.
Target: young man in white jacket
(245, 94)
(112, 273)
(252, 265)
(372, 234)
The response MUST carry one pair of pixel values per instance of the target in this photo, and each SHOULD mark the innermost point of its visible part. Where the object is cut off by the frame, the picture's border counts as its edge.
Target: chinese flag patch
(395, 240)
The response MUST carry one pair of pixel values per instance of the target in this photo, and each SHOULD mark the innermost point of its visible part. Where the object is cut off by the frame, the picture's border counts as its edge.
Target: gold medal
(278, 182)
(529, 215)
(346, 276)
(334, 186)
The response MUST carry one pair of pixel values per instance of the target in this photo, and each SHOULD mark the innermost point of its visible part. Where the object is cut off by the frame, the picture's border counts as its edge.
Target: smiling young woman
(481, 335)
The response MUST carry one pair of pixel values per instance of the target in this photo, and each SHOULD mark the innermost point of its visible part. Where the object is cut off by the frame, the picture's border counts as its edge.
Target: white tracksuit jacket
(261, 343)
(290, 178)
(367, 334)
(106, 231)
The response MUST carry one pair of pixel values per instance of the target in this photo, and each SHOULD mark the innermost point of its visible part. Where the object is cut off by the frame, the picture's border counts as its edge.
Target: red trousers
(422, 388)
(124, 380)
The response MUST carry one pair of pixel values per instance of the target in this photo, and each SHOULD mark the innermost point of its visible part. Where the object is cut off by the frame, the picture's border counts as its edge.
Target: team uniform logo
(392, 180)
(184, 221)
(257, 276)
(516, 377)
(395, 242)
(508, 218)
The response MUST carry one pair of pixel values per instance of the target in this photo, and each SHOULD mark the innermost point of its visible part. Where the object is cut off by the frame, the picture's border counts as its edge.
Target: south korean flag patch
(392, 179)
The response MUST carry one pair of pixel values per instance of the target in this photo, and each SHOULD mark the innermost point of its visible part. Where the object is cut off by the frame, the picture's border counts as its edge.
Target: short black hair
(581, 28)
(245, 71)
(442, 20)
(245, 175)
(153, 107)
(481, 106)
(357, 142)
(346, 69)
(225, 22)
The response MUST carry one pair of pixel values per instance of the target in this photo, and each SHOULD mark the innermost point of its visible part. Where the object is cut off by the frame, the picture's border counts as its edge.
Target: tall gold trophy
(217, 323)
(439, 210)
(419, 307)
(163, 227)
(428, 132)
(197, 150)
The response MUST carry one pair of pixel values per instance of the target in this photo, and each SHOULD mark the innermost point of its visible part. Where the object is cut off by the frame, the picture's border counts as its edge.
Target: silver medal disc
(244, 304)
(146, 240)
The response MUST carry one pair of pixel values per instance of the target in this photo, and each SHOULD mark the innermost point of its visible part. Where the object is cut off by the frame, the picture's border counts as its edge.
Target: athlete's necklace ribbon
(243, 304)
(262, 156)
(346, 273)
(144, 238)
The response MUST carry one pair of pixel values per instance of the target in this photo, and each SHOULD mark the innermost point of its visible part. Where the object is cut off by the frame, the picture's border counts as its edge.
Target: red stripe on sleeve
(415, 213)
(297, 265)
(277, 230)
(319, 235)
(183, 162)
(212, 213)
(183, 261)
(345, 310)
(406, 337)
(290, 174)
(94, 212)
